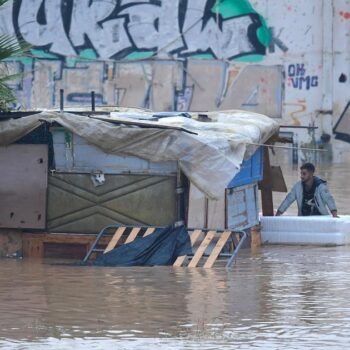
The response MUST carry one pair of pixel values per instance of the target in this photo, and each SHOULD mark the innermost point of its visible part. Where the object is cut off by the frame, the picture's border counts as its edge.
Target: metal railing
(232, 256)
(243, 236)
(93, 248)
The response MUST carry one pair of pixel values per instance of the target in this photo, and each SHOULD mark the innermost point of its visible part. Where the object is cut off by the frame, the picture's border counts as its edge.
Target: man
(311, 194)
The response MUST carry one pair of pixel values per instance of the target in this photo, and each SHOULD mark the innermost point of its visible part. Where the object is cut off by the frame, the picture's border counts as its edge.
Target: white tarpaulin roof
(209, 158)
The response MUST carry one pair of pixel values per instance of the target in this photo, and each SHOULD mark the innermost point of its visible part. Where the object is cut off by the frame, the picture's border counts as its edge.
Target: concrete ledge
(59, 245)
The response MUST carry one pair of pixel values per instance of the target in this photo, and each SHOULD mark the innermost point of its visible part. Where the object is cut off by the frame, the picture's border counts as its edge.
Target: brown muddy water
(278, 297)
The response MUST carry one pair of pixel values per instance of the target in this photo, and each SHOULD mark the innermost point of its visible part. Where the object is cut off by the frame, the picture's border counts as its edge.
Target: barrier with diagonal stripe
(208, 245)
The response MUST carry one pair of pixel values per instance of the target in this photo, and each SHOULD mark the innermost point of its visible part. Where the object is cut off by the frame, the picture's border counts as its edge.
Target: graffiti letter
(307, 82)
(291, 70)
(227, 43)
(52, 32)
(275, 40)
(314, 81)
(300, 70)
(108, 38)
(152, 27)
(117, 28)
(295, 82)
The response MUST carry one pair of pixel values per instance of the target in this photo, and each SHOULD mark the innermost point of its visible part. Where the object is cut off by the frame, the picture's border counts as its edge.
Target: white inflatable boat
(314, 230)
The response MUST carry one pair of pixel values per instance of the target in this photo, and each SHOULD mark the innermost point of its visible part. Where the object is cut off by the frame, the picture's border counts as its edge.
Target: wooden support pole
(255, 234)
(266, 186)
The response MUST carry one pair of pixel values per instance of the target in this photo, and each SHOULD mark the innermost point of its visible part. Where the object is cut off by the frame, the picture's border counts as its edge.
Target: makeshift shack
(75, 172)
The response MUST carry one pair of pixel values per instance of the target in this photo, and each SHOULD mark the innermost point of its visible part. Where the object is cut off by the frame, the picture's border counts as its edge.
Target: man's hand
(335, 213)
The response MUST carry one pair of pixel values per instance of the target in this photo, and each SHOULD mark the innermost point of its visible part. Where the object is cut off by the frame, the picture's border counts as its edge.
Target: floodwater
(273, 298)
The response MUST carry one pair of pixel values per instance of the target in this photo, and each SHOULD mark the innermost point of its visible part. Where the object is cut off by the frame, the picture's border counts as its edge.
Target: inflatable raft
(311, 230)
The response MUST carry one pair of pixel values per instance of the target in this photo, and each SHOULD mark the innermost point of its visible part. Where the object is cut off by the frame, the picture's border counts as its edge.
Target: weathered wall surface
(288, 59)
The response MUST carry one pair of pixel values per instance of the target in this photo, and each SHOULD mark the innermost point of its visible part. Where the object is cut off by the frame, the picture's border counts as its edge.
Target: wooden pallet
(202, 241)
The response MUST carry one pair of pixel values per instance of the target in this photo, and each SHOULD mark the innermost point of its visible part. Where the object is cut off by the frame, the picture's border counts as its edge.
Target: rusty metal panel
(23, 186)
(76, 205)
(242, 207)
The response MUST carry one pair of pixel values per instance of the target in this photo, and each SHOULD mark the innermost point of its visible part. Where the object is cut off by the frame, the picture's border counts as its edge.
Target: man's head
(307, 171)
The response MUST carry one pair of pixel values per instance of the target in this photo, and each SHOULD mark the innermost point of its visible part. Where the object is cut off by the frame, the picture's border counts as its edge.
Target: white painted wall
(316, 33)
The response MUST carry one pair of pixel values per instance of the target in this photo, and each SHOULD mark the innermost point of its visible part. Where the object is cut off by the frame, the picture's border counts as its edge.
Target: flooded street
(274, 298)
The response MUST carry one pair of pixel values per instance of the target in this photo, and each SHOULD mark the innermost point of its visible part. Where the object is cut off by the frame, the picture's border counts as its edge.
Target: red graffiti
(345, 15)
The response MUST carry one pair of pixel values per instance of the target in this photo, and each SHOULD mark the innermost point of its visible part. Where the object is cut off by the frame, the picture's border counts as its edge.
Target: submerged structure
(66, 175)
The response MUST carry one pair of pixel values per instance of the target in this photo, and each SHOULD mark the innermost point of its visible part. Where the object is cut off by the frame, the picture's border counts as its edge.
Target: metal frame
(228, 191)
(232, 256)
(243, 237)
(338, 134)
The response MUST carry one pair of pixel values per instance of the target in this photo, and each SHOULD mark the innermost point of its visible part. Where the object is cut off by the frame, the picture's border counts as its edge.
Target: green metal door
(76, 205)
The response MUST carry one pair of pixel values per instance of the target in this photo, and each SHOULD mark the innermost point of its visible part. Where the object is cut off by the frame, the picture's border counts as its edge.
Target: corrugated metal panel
(242, 207)
(74, 154)
(75, 205)
(23, 186)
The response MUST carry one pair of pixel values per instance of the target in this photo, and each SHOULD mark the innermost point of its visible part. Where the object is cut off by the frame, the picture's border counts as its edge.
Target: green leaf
(6, 97)
(6, 78)
(10, 47)
(3, 2)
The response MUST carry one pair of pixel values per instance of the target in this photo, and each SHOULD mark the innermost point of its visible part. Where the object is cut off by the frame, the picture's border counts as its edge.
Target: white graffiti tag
(154, 27)
(107, 38)
(115, 29)
(232, 40)
(49, 33)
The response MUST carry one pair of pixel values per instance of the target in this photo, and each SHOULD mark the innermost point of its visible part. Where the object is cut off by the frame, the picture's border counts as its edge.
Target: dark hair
(308, 166)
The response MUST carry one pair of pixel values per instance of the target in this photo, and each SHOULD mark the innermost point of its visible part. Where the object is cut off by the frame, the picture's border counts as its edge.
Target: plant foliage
(9, 47)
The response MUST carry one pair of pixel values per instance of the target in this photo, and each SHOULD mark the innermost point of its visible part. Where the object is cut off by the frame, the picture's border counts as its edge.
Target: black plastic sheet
(159, 248)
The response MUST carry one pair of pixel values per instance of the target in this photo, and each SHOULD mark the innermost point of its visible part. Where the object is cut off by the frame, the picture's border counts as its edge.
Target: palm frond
(5, 78)
(6, 97)
(10, 47)
(3, 2)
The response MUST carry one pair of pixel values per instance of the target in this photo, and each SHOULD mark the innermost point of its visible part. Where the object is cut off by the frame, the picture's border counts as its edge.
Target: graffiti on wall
(276, 41)
(127, 29)
(103, 46)
(299, 79)
(296, 109)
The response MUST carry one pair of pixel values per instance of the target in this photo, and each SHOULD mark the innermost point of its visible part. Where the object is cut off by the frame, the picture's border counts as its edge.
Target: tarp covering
(210, 158)
(159, 248)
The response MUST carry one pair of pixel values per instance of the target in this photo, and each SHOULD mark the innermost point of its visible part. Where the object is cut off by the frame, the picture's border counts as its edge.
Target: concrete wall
(288, 59)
